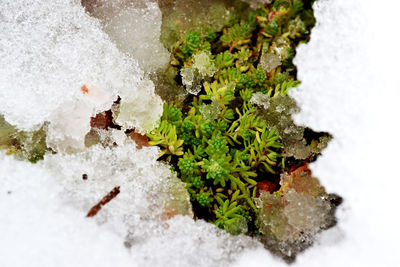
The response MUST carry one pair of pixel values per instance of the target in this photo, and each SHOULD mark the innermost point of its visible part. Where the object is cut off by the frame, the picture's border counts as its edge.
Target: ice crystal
(210, 112)
(308, 215)
(204, 64)
(204, 244)
(290, 219)
(282, 48)
(278, 114)
(260, 99)
(191, 80)
(270, 61)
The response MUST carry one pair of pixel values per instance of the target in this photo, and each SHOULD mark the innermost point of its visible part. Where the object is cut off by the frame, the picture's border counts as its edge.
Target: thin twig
(95, 209)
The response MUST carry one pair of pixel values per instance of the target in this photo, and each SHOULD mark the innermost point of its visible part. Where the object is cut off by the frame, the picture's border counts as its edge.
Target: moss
(24, 145)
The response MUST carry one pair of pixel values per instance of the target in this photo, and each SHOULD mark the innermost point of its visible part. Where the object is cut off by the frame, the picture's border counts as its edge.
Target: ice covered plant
(218, 139)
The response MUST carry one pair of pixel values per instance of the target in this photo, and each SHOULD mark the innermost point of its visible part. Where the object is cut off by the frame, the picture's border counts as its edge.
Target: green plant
(218, 145)
(229, 215)
(165, 136)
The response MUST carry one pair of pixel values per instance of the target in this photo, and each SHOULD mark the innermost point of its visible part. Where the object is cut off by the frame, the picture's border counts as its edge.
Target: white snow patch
(38, 229)
(135, 27)
(50, 50)
(348, 74)
(148, 189)
(144, 114)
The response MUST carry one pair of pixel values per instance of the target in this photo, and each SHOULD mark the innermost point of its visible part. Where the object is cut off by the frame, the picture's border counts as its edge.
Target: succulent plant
(222, 149)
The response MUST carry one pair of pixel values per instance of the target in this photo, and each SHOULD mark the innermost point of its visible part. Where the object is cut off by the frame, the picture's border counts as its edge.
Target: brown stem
(96, 208)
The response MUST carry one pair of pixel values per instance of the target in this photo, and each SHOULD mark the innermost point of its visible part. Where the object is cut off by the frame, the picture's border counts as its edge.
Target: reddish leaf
(140, 139)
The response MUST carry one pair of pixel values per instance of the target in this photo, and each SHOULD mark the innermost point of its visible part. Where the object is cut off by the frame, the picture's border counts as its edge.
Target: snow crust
(135, 27)
(348, 89)
(59, 66)
(38, 229)
(49, 49)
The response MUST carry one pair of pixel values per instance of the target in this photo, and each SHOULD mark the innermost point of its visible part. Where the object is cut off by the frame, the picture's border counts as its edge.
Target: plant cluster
(214, 140)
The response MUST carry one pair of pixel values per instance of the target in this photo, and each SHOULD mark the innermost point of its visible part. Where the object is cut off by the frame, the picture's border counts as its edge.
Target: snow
(148, 188)
(38, 229)
(55, 45)
(348, 73)
(135, 27)
(348, 89)
(132, 114)
(59, 65)
(189, 243)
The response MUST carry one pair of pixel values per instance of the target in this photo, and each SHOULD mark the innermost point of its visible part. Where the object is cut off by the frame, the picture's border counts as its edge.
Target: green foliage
(166, 137)
(218, 169)
(192, 42)
(187, 165)
(229, 214)
(237, 36)
(224, 60)
(272, 28)
(220, 148)
(221, 93)
(221, 155)
(204, 199)
(172, 114)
